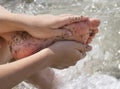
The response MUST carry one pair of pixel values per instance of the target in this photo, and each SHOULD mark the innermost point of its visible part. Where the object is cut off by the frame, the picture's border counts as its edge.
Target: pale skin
(19, 70)
(42, 59)
(39, 77)
(37, 26)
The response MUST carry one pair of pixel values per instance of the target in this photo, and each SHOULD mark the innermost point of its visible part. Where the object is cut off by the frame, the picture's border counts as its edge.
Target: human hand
(46, 26)
(67, 53)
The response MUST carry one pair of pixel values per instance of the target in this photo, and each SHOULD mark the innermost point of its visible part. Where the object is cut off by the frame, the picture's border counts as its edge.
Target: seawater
(100, 69)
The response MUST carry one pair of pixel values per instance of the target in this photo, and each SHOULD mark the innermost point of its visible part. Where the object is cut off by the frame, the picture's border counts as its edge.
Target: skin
(15, 24)
(22, 44)
(37, 26)
(31, 65)
(39, 78)
(40, 60)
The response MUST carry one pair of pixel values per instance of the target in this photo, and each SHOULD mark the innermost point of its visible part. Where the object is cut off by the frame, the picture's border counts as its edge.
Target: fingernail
(88, 48)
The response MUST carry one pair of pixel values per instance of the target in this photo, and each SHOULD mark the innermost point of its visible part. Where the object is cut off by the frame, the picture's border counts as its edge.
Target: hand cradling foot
(22, 44)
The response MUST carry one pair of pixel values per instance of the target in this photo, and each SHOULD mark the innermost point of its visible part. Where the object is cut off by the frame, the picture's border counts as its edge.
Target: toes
(89, 41)
(95, 30)
(91, 36)
(84, 18)
(94, 23)
(66, 20)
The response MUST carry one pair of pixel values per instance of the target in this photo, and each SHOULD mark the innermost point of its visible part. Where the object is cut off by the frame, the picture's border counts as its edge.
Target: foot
(84, 31)
(23, 45)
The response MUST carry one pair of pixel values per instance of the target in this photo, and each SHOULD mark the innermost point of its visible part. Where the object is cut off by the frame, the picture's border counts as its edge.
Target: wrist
(49, 55)
(28, 23)
(22, 21)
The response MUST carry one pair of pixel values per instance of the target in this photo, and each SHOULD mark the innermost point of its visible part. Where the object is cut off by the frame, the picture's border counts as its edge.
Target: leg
(23, 45)
(43, 79)
(5, 54)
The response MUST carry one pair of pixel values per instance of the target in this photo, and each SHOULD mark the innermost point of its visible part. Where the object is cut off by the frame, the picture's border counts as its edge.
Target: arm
(59, 55)
(13, 73)
(13, 22)
(39, 26)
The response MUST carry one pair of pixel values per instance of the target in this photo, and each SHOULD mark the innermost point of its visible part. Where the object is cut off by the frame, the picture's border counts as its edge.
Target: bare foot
(22, 44)
(84, 31)
(94, 23)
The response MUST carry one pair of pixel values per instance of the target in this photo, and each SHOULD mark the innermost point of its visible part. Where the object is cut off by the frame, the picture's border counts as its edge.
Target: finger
(83, 54)
(96, 30)
(53, 33)
(80, 55)
(81, 47)
(61, 32)
(73, 19)
(63, 21)
(77, 56)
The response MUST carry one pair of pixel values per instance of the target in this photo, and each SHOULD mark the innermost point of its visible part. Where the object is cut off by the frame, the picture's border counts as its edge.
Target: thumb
(88, 48)
(61, 32)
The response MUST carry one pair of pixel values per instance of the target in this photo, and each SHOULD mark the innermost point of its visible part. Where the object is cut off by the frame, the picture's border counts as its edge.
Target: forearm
(13, 73)
(14, 22)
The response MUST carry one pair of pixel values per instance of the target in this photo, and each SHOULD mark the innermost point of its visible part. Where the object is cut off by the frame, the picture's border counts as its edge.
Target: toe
(94, 23)
(95, 30)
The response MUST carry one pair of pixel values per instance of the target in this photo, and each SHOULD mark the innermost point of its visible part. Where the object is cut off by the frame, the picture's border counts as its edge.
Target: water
(100, 69)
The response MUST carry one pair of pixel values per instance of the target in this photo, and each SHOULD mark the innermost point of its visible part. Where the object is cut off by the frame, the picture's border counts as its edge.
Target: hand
(46, 26)
(67, 53)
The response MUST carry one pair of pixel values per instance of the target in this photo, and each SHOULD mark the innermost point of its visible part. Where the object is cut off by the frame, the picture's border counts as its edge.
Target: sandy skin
(22, 44)
(25, 45)
(40, 26)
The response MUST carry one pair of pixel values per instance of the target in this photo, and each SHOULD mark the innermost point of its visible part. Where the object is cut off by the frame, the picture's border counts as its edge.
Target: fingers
(68, 19)
(81, 47)
(84, 48)
(73, 19)
(61, 32)
(73, 61)
(79, 55)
